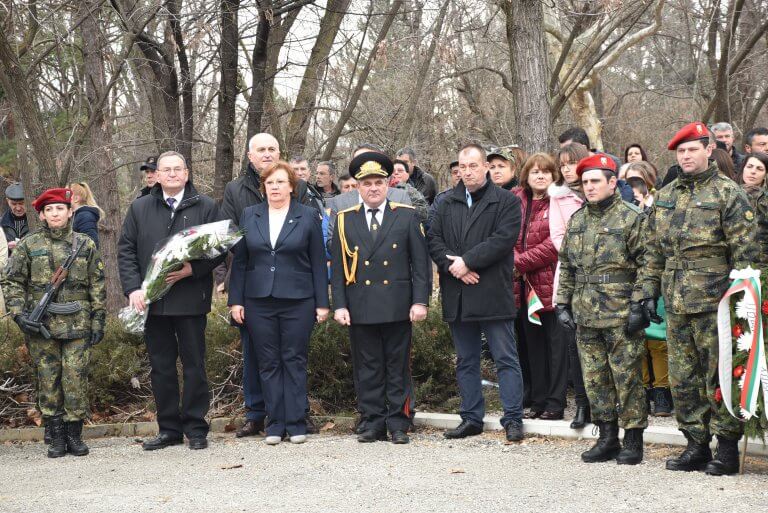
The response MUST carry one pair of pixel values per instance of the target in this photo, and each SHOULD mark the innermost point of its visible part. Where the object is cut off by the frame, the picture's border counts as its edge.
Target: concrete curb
(561, 429)
(554, 428)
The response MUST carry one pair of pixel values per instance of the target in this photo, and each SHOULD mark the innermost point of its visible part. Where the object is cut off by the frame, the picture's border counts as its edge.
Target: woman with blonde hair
(87, 212)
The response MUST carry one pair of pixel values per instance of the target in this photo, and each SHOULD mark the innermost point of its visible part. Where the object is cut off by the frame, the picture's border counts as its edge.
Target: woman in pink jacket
(564, 200)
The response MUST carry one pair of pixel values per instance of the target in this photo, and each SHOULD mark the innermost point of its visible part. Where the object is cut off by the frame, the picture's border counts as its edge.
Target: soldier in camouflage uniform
(599, 258)
(62, 359)
(700, 228)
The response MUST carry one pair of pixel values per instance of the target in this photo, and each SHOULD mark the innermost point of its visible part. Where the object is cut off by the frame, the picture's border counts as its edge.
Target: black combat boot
(662, 402)
(75, 444)
(581, 418)
(607, 446)
(58, 445)
(726, 461)
(632, 452)
(694, 457)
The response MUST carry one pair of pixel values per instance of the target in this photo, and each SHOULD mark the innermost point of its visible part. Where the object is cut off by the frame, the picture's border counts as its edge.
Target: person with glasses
(175, 327)
(278, 289)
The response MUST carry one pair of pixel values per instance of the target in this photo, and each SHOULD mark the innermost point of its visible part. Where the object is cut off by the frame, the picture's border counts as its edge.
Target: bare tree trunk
(26, 112)
(184, 144)
(225, 131)
(585, 116)
(298, 124)
(258, 64)
(333, 140)
(528, 64)
(99, 160)
(421, 78)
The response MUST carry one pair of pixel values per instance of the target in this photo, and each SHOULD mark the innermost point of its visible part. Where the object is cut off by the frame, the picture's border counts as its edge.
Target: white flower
(744, 343)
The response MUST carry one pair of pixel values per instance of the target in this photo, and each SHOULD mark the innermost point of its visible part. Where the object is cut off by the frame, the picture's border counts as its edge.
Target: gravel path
(332, 472)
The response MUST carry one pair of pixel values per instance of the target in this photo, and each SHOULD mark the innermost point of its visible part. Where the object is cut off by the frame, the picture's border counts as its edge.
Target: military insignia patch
(749, 215)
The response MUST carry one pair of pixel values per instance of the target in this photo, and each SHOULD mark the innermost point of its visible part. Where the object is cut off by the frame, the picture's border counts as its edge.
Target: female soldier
(75, 322)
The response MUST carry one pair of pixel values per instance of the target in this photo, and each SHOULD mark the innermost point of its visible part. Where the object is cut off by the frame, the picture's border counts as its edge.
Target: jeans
(501, 341)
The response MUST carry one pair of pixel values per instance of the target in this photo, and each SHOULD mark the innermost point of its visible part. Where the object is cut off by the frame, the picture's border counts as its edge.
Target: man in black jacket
(471, 240)
(423, 181)
(14, 221)
(176, 323)
(149, 168)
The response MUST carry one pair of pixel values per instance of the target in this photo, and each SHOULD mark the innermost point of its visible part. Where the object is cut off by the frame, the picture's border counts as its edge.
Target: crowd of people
(566, 268)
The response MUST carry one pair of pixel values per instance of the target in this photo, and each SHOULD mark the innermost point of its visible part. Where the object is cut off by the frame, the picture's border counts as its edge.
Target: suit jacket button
(356, 248)
(272, 253)
(272, 269)
(386, 282)
(394, 246)
(367, 282)
(367, 262)
(386, 263)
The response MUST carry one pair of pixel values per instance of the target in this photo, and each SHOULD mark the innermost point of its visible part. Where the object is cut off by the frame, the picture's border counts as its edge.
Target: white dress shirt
(379, 214)
(178, 197)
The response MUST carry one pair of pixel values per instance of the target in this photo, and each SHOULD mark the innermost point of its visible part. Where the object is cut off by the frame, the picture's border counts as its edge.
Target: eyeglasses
(168, 170)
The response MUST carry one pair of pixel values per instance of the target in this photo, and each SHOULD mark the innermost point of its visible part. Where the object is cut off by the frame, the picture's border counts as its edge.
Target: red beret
(695, 131)
(52, 196)
(596, 161)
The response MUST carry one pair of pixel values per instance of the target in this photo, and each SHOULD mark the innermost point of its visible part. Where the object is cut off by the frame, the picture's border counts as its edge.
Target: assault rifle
(46, 304)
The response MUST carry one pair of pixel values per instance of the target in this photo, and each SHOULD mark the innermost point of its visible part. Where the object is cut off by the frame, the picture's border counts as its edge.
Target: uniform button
(367, 262)
(386, 263)
(367, 282)
(272, 269)
(356, 248)
(386, 282)
(394, 246)
(272, 253)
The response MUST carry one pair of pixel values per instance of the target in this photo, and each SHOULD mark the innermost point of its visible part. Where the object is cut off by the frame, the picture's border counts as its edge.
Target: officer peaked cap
(371, 163)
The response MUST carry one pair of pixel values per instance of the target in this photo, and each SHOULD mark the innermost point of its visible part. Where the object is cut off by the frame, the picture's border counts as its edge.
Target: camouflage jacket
(602, 239)
(758, 197)
(700, 227)
(31, 267)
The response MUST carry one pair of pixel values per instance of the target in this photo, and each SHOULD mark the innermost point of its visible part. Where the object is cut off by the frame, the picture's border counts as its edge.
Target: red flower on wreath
(737, 331)
(718, 395)
(738, 371)
(765, 307)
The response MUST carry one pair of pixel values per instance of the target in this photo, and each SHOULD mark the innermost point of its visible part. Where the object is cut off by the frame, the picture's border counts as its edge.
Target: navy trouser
(280, 330)
(501, 341)
(255, 409)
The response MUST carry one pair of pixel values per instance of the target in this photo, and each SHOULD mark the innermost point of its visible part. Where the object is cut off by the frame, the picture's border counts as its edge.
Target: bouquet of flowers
(202, 242)
(742, 369)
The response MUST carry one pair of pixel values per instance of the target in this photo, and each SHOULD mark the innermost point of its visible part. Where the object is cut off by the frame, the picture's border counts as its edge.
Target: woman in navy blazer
(278, 289)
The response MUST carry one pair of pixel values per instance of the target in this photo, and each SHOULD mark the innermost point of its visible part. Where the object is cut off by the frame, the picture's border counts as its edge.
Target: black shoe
(696, 456)
(533, 414)
(582, 417)
(726, 461)
(551, 415)
(607, 446)
(58, 445)
(632, 452)
(47, 433)
(198, 443)
(662, 402)
(399, 437)
(465, 429)
(161, 441)
(371, 435)
(251, 428)
(75, 444)
(360, 427)
(514, 431)
(312, 428)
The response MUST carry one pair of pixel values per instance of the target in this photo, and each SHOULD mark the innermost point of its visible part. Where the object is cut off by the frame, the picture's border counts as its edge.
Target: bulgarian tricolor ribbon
(534, 305)
(756, 374)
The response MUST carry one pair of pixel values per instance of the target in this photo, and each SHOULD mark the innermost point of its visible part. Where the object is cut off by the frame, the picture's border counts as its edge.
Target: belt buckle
(602, 279)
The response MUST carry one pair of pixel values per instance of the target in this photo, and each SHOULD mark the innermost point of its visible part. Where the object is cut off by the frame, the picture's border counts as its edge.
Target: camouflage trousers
(62, 376)
(693, 355)
(612, 364)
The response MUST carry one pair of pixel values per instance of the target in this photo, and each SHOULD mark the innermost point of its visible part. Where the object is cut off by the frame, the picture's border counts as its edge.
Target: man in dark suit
(471, 240)
(380, 285)
(176, 323)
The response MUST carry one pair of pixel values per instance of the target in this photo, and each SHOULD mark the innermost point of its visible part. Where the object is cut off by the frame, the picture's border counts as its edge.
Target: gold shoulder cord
(349, 269)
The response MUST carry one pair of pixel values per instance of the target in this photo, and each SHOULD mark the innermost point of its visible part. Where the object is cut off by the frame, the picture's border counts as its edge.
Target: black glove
(27, 326)
(565, 317)
(650, 310)
(96, 337)
(638, 318)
